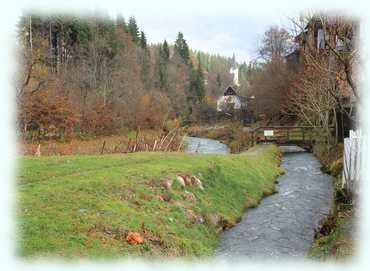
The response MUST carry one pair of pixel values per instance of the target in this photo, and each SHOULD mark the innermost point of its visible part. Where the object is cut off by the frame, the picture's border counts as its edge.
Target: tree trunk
(31, 44)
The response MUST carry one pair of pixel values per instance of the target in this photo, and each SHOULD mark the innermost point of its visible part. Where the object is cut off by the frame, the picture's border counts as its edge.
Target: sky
(225, 30)
(218, 27)
(225, 34)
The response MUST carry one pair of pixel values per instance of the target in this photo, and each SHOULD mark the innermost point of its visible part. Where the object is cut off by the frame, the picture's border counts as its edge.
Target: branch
(38, 87)
(342, 109)
(27, 79)
(347, 71)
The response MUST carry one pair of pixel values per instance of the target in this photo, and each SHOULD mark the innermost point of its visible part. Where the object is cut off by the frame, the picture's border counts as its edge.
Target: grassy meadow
(85, 205)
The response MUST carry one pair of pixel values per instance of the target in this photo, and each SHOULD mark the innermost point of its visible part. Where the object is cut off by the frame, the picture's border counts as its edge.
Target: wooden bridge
(303, 136)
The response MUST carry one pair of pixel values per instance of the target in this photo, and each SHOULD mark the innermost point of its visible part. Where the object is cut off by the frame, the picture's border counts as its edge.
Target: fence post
(352, 162)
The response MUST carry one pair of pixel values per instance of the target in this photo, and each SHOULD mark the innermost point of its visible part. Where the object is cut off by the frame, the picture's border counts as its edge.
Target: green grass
(82, 206)
(338, 245)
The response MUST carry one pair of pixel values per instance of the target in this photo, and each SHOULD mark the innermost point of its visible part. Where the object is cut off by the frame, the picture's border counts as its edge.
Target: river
(283, 225)
(205, 145)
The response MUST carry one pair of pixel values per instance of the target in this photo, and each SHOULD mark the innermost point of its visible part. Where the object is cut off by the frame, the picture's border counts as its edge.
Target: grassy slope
(84, 205)
(339, 244)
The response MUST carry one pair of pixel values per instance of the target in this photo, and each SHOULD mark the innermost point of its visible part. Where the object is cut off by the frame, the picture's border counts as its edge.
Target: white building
(229, 101)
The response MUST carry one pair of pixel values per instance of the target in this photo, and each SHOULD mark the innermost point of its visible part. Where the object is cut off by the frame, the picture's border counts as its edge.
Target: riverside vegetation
(335, 240)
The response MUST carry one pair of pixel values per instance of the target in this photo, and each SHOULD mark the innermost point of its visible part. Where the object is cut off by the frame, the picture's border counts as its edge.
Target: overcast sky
(221, 27)
(219, 33)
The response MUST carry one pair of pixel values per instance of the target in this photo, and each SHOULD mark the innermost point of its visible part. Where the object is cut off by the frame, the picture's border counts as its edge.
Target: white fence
(352, 161)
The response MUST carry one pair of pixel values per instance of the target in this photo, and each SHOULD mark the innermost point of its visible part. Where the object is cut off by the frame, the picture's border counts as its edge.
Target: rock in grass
(134, 238)
(165, 198)
(195, 181)
(189, 196)
(181, 181)
(187, 179)
(167, 184)
(192, 216)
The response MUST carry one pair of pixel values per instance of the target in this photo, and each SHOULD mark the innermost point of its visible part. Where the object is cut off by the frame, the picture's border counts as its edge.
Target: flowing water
(205, 145)
(283, 225)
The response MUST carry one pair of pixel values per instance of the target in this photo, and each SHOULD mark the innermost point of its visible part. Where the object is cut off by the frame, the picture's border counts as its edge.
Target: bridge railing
(300, 135)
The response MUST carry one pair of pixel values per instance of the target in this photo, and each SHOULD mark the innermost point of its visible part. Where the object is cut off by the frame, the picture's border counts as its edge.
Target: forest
(94, 75)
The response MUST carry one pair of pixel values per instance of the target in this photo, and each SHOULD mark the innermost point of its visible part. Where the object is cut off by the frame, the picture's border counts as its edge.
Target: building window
(320, 39)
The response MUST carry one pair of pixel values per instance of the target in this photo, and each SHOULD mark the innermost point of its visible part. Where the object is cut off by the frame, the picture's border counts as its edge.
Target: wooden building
(328, 37)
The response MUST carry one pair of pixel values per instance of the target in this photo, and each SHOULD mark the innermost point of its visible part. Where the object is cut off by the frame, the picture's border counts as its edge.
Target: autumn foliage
(45, 117)
(94, 75)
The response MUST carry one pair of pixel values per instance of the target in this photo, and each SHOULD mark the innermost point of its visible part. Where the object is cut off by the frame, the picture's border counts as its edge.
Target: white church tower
(234, 70)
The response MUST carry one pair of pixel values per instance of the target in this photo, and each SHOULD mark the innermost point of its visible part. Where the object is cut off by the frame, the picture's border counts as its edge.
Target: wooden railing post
(287, 134)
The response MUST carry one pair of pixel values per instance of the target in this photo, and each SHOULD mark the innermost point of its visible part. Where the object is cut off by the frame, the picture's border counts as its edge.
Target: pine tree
(121, 23)
(165, 50)
(182, 48)
(145, 62)
(200, 81)
(164, 55)
(143, 43)
(133, 29)
(197, 87)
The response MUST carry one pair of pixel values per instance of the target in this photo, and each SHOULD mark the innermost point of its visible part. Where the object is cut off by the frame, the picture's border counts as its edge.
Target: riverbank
(134, 205)
(335, 239)
(125, 141)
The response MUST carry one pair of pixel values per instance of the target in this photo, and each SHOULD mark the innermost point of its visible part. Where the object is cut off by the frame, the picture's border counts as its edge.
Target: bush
(331, 157)
(98, 121)
(152, 111)
(204, 113)
(43, 117)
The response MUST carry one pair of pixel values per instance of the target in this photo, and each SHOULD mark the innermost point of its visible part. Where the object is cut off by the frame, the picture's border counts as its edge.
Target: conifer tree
(143, 43)
(121, 23)
(182, 48)
(197, 87)
(133, 29)
(164, 55)
(165, 50)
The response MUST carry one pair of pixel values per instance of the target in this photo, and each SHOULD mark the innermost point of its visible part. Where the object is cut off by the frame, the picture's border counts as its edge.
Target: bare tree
(310, 100)
(276, 44)
(338, 44)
